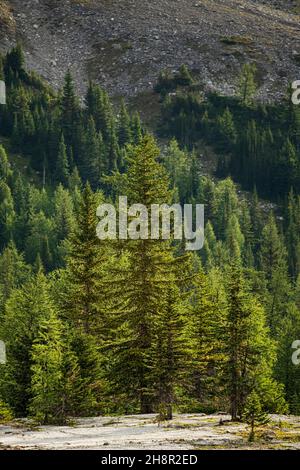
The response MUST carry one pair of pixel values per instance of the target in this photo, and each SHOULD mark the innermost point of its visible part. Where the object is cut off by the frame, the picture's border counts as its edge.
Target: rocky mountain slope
(123, 44)
(286, 5)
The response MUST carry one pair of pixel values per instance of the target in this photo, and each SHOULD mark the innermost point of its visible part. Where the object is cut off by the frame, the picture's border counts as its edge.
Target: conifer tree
(228, 134)
(104, 115)
(137, 132)
(124, 130)
(178, 167)
(17, 136)
(253, 414)
(99, 107)
(92, 160)
(84, 267)
(113, 150)
(273, 253)
(209, 199)
(285, 171)
(62, 166)
(248, 346)
(85, 387)
(23, 313)
(211, 239)
(46, 404)
(292, 233)
(13, 272)
(63, 213)
(150, 275)
(273, 263)
(203, 330)
(168, 353)
(183, 77)
(234, 239)
(69, 110)
(256, 221)
(286, 371)
(247, 85)
(74, 180)
(40, 239)
(64, 223)
(5, 171)
(207, 256)
(225, 206)
(90, 99)
(20, 193)
(246, 226)
(7, 214)
(14, 64)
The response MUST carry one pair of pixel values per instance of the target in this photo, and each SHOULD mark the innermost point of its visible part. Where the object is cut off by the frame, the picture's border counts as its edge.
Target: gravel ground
(186, 431)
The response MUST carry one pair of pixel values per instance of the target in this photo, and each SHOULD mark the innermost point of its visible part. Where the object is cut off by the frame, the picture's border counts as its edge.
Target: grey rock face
(124, 44)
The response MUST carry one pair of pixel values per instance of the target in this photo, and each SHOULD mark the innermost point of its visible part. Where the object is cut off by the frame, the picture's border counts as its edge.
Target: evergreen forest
(109, 327)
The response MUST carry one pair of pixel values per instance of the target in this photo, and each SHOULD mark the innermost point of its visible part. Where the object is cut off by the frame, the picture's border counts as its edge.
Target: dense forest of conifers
(108, 327)
(258, 143)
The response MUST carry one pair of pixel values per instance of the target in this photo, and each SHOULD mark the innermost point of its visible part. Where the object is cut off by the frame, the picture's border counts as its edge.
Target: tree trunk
(234, 396)
(169, 412)
(251, 435)
(146, 406)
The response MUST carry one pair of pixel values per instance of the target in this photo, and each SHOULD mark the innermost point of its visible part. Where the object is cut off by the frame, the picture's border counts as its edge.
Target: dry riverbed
(186, 432)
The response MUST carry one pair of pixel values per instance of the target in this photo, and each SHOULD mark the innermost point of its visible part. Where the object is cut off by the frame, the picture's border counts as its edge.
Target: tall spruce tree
(13, 273)
(112, 149)
(248, 347)
(136, 128)
(62, 166)
(23, 312)
(203, 330)
(93, 158)
(168, 351)
(150, 272)
(84, 266)
(46, 404)
(69, 111)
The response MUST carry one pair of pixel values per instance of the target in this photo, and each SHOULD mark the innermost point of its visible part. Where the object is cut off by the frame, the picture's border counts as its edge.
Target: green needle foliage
(123, 326)
(46, 404)
(254, 414)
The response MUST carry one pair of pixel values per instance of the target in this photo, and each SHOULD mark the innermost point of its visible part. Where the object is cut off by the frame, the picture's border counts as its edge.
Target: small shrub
(5, 413)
